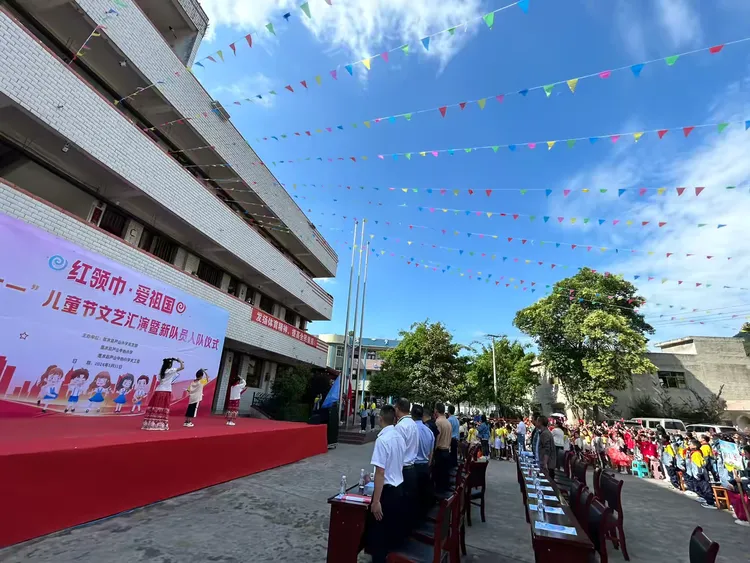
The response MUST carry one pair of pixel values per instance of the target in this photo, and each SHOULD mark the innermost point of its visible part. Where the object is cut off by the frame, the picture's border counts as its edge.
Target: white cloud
(246, 87)
(360, 27)
(680, 21)
(716, 162)
(326, 281)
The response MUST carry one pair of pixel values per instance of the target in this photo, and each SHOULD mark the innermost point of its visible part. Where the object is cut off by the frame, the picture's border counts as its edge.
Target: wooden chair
(476, 480)
(702, 549)
(579, 470)
(575, 494)
(426, 531)
(597, 482)
(721, 496)
(600, 525)
(583, 507)
(611, 492)
(436, 550)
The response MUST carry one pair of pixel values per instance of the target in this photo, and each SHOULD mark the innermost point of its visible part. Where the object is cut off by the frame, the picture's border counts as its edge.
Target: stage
(58, 471)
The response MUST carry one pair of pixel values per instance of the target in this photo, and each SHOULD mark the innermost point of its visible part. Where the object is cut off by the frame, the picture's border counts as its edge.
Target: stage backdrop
(79, 331)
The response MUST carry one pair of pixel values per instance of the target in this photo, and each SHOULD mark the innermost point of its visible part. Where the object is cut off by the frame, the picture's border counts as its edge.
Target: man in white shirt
(521, 432)
(385, 530)
(406, 426)
(425, 497)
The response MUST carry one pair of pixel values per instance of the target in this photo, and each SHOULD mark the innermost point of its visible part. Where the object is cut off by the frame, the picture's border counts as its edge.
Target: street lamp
(494, 364)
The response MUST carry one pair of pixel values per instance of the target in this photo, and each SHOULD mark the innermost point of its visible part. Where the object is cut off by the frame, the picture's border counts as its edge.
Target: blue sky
(554, 41)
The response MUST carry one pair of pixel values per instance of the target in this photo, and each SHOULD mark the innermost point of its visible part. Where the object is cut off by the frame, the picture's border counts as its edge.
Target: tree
(590, 336)
(515, 377)
(425, 366)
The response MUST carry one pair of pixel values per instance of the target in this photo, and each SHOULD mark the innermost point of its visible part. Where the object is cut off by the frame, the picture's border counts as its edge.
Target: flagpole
(346, 329)
(356, 308)
(362, 324)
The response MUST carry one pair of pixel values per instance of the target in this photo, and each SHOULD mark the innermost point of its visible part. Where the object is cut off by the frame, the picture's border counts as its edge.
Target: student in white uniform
(406, 426)
(385, 528)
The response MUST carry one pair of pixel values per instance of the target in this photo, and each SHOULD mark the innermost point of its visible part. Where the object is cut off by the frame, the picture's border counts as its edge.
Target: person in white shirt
(521, 433)
(233, 406)
(385, 529)
(156, 416)
(558, 436)
(408, 430)
(195, 396)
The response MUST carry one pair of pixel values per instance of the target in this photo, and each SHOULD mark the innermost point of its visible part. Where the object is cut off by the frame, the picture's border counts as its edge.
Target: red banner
(273, 323)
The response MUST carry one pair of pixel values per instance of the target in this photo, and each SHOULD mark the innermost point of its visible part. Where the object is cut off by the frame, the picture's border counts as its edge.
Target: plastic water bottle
(361, 481)
(342, 490)
(541, 512)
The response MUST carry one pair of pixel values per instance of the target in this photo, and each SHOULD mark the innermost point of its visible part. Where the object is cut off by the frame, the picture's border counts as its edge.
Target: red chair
(611, 493)
(600, 525)
(426, 532)
(702, 549)
(476, 480)
(435, 550)
(583, 507)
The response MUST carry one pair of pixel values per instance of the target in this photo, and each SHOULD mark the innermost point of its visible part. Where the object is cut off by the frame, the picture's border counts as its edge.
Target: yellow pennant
(408, 242)
(489, 214)
(572, 219)
(637, 136)
(445, 211)
(550, 144)
(366, 62)
(585, 190)
(661, 191)
(318, 80)
(367, 124)
(423, 153)
(455, 232)
(404, 190)
(572, 83)
(455, 192)
(628, 222)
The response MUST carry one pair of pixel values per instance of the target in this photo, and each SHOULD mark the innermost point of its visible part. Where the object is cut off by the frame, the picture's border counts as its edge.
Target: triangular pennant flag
(496, 148)
(318, 80)
(715, 49)
(367, 124)
(442, 110)
(721, 126)
(210, 58)
(366, 62)
(671, 60)
(524, 91)
(426, 43)
(405, 49)
(249, 40)
(306, 8)
(481, 103)
(637, 136)
(288, 87)
(287, 16)
(550, 144)
(636, 69)
(384, 56)
(698, 191)
(620, 191)
(489, 19)
(571, 142)
(233, 47)
(269, 27)
(349, 69)
(548, 89)
(572, 83)
(221, 55)
(605, 74)
(303, 82)
(407, 116)
(687, 130)
(334, 74)
(452, 30)
(524, 5)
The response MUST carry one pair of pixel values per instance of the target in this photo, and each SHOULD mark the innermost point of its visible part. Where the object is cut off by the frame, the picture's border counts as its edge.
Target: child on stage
(233, 407)
(156, 416)
(195, 393)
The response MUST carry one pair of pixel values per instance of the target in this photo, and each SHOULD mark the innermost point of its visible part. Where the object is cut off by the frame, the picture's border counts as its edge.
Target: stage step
(355, 437)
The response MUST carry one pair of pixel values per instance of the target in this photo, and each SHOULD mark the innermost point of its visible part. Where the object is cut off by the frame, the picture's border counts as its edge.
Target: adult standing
(384, 529)
(364, 415)
(156, 416)
(484, 435)
(455, 430)
(408, 429)
(545, 446)
(558, 435)
(373, 414)
(442, 450)
(521, 434)
(426, 445)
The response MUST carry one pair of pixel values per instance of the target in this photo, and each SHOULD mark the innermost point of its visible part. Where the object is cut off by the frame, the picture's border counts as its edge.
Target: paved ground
(281, 515)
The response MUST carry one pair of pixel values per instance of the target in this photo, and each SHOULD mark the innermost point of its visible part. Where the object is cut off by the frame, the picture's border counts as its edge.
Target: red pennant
(233, 48)
(553, 266)
(680, 191)
(471, 192)
(573, 246)
(353, 159)
(462, 105)
(566, 193)
(709, 257)
(644, 223)
(642, 191)
(297, 134)
(699, 190)
(383, 55)
(698, 284)
(304, 83)
(507, 285)
(715, 49)
(500, 98)
(442, 110)
(669, 254)
(497, 283)
(687, 130)
(510, 239)
(289, 88)
(308, 133)
(249, 40)
(662, 223)
(488, 192)
(515, 216)
(679, 282)
(588, 248)
(521, 282)
(662, 132)
(560, 219)
(533, 284)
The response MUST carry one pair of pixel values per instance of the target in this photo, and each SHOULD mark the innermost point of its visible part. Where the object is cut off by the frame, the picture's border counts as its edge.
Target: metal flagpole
(362, 324)
(346, 329)
(356, 308)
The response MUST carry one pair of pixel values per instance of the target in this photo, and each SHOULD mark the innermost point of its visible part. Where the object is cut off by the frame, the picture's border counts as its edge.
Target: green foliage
(592, 339)
(515, 379)
(425, 366)
(290, 384)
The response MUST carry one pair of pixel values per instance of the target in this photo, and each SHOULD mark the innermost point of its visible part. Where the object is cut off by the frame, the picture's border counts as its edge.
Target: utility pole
(494, 363)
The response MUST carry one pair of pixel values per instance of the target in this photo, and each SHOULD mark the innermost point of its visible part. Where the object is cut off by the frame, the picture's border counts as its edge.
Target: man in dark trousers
(455, 426)
(422, 464)
(441, 472)
(545, 446)
(384, 528)
(408, 429)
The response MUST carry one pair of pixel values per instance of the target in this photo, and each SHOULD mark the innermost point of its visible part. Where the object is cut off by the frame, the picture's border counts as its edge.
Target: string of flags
(218, 55)
(642, 191)
(571, 142)
(442, 110)
(108, 15)
(544, 218)
(552, 265)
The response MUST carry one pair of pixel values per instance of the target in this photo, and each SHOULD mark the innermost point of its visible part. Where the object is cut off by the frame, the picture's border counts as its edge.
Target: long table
(570, 544)
(347, 527)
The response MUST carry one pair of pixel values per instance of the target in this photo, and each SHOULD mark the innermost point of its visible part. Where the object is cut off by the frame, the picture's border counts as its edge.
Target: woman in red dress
(156, 416)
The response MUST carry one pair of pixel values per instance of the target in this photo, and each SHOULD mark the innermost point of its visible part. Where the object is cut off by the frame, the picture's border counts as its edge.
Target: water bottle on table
(342, 489)
(361, 481)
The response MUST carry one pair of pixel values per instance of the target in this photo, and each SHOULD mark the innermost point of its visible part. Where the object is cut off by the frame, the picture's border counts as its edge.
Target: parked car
(707, 428)
(671, 425)
(628, 423)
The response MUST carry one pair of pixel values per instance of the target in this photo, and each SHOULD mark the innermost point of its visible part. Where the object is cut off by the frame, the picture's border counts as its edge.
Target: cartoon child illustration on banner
(124, 386)
(140, 393)
(99, 388)
(76, 385)
(50, 386)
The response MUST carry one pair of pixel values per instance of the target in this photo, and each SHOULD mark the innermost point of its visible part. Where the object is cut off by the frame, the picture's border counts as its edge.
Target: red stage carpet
(59, 471)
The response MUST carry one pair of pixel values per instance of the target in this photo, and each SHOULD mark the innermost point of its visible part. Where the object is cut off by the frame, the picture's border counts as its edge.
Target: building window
(371, 355)
(339, 351)
(209, 274)
(672, 379)
(163, 248)
(303, 324)
(290, 317)
(252, 376)
(266, 304)
(113, 222)
(233, 286)
(250, 296)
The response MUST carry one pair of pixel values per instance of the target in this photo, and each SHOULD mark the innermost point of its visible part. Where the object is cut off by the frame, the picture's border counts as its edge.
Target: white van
(671, 425)
(707, 428)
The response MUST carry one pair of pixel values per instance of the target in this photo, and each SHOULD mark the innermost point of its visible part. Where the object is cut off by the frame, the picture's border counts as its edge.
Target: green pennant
(306, 8)
(489, 19)
(495, 148)
(452, 30)
(603, 190)
(407, 116)
(731, 187)
(273, 92)
(702, 224)
(532, 217)
(523, 192)
(467, 150)
(721, 126)
(586, 220)
(571, 142)
(548, 89)
(354, 125)
(408, 156)
(671, 60)
(405, 49)
(269, 27)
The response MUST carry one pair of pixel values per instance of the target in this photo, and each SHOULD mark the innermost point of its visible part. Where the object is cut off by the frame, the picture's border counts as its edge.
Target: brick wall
(21, 205)
(39, 82)
(134, 34)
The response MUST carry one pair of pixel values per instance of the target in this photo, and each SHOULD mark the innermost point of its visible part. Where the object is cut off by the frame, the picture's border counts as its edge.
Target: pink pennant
(614, 138)
(384, 56)
(560, 219)
(532, 145)
(432, 210)
(471, 192)
(329, 129)
(679, 282)
(698, 191)
(488, 192)
(515, 216)
(698, 284)
(434, 153)
(588, 248)
(500, 98)
(381, 157)
(669, 254)
(334, 75)
(442, 110)
(566, 193)
(615, 221)
(605, 74)
(442, 192)
(642, 191)
(540, 263)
